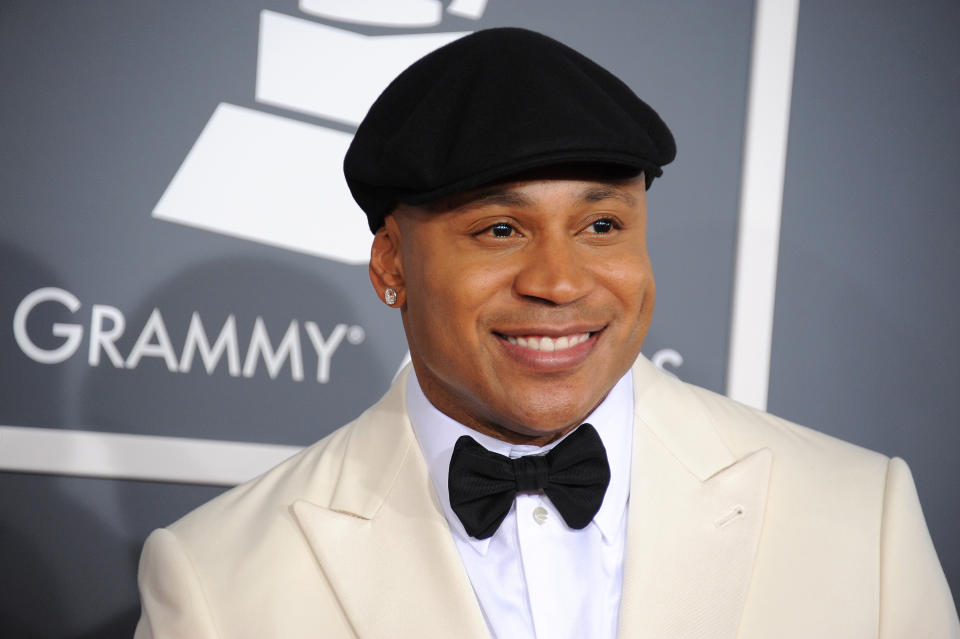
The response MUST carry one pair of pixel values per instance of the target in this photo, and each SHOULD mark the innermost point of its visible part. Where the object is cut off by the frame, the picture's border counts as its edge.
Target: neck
(513, 437)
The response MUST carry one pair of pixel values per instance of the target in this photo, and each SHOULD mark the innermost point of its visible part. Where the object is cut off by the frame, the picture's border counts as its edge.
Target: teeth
(548, 344)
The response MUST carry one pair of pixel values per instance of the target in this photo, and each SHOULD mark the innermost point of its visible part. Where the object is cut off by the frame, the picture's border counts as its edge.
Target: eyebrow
(501, 197)
(600, 193)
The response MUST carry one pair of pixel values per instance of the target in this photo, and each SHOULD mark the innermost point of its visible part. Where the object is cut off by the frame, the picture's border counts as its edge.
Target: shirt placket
(535, 520)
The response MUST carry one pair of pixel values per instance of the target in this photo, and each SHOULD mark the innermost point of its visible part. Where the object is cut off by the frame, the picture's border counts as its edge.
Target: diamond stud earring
(390, 296)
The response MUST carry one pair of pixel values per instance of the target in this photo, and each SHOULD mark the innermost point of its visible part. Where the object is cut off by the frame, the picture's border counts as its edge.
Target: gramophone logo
(278, 180)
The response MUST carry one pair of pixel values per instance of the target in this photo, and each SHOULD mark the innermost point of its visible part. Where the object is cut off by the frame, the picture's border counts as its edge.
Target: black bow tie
(483, 485)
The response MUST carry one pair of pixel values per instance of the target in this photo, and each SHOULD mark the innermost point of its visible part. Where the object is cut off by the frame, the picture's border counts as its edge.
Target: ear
(386, 264)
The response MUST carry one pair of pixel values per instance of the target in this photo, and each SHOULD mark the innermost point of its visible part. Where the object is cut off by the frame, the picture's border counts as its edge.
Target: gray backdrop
(102, 101)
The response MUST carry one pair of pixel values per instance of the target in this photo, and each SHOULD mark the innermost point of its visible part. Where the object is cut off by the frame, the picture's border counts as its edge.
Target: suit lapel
(695, 518)
(383, 542)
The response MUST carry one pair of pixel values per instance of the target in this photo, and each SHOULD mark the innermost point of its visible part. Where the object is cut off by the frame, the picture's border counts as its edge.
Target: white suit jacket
(741, 525)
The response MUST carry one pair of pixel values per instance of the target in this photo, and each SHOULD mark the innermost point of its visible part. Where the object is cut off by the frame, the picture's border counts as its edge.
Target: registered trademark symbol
(356, 335)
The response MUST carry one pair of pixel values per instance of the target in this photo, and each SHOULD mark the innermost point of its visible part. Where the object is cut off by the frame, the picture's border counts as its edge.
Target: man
(530, 476)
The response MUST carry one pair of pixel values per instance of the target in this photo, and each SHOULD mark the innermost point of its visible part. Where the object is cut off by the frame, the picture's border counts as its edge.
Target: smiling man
(532, 475)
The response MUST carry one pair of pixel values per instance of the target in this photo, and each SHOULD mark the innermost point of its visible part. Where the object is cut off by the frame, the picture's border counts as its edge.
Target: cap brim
(521, 165)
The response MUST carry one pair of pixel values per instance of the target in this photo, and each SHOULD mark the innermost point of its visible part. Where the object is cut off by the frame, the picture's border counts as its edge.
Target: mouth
(560, 350)
(548, 344)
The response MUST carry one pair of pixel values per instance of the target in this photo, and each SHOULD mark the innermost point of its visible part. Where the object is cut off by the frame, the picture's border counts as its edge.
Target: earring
(390, 296)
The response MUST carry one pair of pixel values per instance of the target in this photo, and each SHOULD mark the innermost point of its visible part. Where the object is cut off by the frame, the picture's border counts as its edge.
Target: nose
(554, 270)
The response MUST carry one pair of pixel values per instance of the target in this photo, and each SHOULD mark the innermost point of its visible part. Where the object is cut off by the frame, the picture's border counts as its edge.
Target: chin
(549, 418)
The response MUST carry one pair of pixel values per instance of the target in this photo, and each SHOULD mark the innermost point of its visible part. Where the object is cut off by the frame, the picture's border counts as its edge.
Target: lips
(548, 343)
(549, 350)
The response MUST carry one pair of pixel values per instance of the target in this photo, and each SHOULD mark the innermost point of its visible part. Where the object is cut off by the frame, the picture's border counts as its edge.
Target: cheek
(650, 296)
(647, 285)
(631, 282)
(466, 287)
(445, 307)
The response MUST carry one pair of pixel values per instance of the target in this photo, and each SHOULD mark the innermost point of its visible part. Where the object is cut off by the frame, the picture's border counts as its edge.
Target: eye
(498, 233)
(501, 229)
(602, 226)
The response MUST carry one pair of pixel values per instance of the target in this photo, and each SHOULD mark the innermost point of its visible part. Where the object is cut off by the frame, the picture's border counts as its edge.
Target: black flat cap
(488, 106)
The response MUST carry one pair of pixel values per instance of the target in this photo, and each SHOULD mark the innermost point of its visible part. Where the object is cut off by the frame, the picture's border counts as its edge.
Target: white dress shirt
(536, 576)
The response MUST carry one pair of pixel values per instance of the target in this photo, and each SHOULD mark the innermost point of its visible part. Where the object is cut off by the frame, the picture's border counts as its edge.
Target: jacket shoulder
(244, 551)
(310, 473)
(206, 574)
(839, 510)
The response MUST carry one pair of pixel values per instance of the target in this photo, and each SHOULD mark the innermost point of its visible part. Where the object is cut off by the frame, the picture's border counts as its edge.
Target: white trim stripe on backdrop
(761, 200)
(143, 457)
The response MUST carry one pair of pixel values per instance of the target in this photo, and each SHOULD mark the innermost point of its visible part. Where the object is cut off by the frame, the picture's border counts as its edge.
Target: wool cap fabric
(490, 105)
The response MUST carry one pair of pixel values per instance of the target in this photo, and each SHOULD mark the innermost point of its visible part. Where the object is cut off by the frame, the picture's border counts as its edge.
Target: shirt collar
(437, 433)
